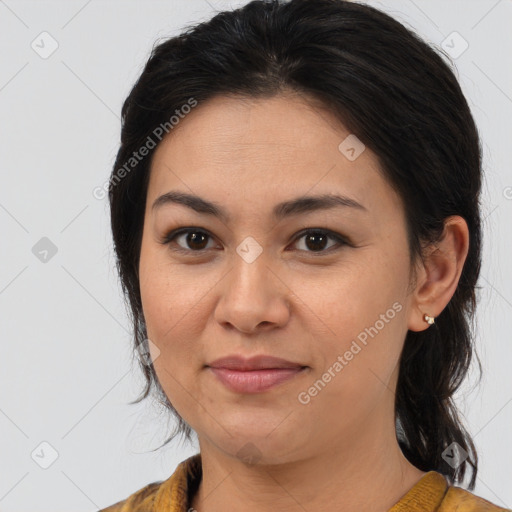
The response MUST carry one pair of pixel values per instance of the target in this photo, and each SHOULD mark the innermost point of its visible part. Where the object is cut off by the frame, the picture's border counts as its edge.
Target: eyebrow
(299, 205)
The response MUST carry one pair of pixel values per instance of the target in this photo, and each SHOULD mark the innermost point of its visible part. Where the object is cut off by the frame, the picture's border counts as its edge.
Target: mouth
(255, 381)
(261, 362)
(255, 374)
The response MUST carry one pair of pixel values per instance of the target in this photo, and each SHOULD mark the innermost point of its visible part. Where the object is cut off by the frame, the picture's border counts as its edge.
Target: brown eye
(196, 240)
(192, 240)
(316, 240)
(189, 240)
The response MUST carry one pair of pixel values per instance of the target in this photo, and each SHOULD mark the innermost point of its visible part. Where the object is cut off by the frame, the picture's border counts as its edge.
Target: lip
(255, 374)
(261, 362)
(254, 381)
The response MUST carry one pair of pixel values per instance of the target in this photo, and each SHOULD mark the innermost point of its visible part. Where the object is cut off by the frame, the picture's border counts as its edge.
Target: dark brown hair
(401, 99)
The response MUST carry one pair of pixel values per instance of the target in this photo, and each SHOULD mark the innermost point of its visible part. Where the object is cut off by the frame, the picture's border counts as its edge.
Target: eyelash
(318, 231)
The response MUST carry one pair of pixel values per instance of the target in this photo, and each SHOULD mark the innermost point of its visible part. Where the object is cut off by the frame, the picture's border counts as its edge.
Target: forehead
(257, 150)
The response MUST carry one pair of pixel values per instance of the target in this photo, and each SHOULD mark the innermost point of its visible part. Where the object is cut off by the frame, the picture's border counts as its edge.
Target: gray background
(65, 372)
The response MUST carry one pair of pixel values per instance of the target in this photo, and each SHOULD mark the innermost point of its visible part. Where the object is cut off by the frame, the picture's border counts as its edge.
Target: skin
(292, 301)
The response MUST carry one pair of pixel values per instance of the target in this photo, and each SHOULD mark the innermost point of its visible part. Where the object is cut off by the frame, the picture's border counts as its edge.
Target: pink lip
(261, 362)
(254, 374)
(254, 381)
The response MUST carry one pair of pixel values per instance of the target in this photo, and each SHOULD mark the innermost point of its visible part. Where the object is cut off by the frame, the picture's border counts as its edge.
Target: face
(325, 287)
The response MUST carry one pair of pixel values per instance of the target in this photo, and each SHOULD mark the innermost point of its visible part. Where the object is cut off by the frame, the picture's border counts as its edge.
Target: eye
(315, 239)
(193, 239)
(196, 240)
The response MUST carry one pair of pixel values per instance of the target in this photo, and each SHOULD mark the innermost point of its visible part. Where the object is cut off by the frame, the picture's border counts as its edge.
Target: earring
(428, 319)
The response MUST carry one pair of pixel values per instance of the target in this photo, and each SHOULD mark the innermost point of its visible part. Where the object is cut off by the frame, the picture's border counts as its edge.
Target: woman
(295, 213)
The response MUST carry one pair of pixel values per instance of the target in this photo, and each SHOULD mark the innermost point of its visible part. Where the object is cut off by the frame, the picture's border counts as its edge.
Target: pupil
(311, 237)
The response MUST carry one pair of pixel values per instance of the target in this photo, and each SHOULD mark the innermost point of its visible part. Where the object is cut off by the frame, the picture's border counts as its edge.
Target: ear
(438, 275)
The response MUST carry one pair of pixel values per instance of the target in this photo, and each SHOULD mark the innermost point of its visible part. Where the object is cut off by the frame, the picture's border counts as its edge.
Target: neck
(369, 472)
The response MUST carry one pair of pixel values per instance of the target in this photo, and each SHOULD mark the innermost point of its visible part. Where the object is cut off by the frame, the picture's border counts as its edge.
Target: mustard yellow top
(430, 494)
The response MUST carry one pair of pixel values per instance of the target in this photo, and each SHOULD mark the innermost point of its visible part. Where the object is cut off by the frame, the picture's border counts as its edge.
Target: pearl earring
(428, 319)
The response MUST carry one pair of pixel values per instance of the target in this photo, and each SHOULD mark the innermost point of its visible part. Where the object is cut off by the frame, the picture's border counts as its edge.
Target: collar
(175, 495)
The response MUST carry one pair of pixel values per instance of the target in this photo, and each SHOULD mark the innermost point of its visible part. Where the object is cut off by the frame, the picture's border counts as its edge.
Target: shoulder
(138, 501)
(463, 500)
(171, 495)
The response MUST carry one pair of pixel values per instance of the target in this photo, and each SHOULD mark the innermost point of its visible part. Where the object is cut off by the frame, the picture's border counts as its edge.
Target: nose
(253, 298)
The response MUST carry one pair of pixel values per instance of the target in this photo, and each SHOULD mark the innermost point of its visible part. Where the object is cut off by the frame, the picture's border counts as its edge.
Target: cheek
(162, 304)
(171, 312)
(357, 364)
(350, 297)
(175, 302)
(168, 293)
(362, 315)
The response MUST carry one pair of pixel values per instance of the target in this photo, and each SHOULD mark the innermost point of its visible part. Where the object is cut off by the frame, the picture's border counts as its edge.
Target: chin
(254, 447)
